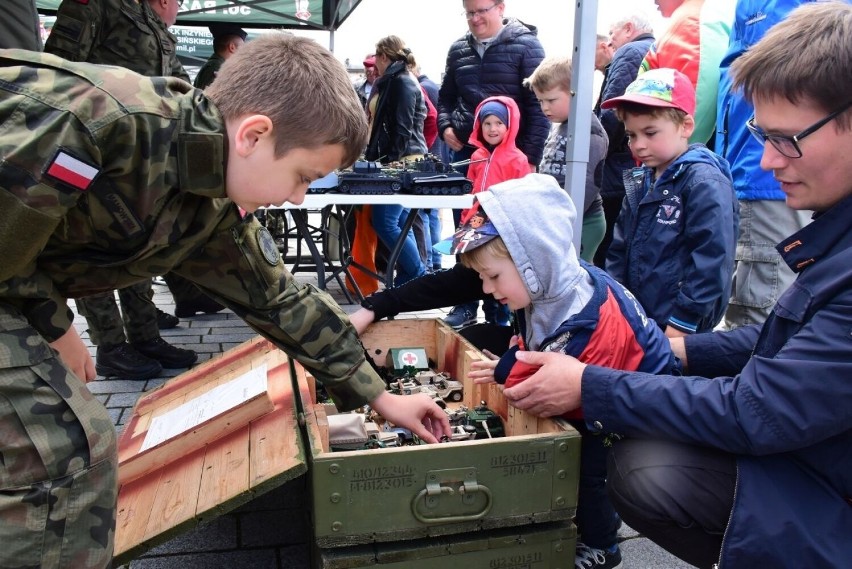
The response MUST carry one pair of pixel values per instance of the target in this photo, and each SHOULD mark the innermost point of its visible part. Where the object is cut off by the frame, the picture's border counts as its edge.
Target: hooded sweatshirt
(574, 307)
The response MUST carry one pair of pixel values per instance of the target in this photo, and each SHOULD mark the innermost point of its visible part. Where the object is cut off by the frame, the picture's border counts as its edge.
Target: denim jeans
(387, 222)
(760, 275)
(435, 236)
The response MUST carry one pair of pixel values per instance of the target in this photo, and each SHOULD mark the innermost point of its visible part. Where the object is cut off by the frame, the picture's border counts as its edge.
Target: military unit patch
(71, 171)
(267, 247)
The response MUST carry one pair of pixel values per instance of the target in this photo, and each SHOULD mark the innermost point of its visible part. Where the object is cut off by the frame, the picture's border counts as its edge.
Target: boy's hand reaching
(417, 413)
(483, 370)
(75, 356)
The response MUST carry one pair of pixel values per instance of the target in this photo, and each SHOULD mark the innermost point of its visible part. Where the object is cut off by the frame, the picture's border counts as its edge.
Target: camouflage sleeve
(75, 31)
(30, 212)
(175, 66)
(242, 267)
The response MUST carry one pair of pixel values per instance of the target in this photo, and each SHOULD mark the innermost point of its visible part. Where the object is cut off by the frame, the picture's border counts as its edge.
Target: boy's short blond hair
(676, 116)
(474, 259)
(552, 73)
(300, 86)
(808, 55)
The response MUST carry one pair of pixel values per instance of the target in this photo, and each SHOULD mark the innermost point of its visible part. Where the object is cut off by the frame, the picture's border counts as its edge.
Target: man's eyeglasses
(481, 13)
(789, 145)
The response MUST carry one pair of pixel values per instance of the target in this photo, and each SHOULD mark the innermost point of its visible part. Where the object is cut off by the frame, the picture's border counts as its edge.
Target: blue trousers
(387, 222)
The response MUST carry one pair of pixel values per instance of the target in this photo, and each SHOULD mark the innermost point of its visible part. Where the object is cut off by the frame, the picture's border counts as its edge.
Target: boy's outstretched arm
(417, 413)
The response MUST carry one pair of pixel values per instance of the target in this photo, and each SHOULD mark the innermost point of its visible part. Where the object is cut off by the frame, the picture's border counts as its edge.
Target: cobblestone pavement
(273, 531)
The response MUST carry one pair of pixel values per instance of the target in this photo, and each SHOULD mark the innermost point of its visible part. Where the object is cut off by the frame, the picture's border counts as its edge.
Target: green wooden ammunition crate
(541, 546)
(411, 492)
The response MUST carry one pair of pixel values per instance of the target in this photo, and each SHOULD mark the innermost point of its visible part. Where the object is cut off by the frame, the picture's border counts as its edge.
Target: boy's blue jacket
(611, 330)
(780, 399)
(674, 242)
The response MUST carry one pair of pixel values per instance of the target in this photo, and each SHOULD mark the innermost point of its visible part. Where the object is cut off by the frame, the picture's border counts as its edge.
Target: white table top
(318, 201)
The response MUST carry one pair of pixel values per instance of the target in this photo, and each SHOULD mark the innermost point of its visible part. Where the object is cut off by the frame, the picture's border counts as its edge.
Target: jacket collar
(815, 240)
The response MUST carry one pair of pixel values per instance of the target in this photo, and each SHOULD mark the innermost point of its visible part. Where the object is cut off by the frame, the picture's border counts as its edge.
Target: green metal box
(411, 492)
(541, 546)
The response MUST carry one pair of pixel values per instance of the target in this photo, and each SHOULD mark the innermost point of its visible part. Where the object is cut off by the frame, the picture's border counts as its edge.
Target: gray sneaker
(459, 317)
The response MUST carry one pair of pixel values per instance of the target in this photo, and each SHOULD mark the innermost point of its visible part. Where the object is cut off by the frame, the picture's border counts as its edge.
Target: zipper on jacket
(724, 131)
(718, 565)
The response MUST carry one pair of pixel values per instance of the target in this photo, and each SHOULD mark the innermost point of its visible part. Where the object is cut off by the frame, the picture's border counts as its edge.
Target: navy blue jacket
(674, 242)
(469, 78)
(785, 410)
(621, 72)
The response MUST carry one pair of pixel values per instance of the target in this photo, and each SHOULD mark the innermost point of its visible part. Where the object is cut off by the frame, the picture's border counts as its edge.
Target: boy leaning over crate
(520, 243)
(108, 178)
(674, 241)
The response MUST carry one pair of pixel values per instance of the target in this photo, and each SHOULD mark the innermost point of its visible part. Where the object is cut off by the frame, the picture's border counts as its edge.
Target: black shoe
(122, 360)
(201, 304)
(170, 357)
(165, 321)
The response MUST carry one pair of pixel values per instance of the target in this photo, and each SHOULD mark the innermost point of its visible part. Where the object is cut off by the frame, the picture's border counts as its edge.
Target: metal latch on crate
(456, 487)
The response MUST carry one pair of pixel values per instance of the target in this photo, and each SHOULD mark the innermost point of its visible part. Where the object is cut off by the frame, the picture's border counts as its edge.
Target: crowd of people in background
(709, 146)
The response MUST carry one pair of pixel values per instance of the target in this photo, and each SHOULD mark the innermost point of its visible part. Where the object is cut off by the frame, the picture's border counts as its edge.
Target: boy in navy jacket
(674, 241)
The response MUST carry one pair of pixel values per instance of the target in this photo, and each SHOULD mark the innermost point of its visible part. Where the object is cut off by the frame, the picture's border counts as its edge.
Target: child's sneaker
(460, 316)
(590, 558)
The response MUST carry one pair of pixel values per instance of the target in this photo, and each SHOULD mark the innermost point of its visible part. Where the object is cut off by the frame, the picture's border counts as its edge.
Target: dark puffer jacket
(510, 58)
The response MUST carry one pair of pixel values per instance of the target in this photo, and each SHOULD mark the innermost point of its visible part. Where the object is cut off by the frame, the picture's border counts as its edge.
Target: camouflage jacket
(126, 33)
(108, 178)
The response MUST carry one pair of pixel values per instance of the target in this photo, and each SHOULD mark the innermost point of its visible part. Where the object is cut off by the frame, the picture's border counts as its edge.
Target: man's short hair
(300, 86)
(639, 20)
(553, 72)
(806, 56)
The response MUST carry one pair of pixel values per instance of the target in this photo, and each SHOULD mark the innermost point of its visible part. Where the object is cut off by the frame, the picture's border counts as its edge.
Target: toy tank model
(367, 178)
(429, 176)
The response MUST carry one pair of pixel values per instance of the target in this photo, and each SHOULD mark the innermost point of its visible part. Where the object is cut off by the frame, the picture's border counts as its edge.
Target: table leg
(300, 220)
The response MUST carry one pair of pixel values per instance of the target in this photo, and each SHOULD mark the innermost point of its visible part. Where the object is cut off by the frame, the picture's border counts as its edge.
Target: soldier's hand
(75, 356)
(417, 413)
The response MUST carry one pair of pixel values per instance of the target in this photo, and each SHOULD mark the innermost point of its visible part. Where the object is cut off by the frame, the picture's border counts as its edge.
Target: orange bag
(363, 253)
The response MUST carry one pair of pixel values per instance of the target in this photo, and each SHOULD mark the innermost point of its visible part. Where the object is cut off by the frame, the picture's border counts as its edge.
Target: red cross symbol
(409, 358)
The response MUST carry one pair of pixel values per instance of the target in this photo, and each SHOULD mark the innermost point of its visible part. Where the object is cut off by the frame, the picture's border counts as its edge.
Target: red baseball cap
(370, 61)
(658, 88)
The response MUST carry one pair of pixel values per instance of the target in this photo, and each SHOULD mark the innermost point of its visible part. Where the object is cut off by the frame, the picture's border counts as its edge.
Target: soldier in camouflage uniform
(227, 39)
(108, 178)
(134, 35)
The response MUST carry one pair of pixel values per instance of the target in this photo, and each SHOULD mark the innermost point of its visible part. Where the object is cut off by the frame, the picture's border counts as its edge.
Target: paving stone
(122, 399)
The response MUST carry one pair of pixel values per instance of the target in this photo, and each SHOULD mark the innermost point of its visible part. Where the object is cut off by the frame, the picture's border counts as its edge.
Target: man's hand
(361, 319)
(75, 356)
(417, 413)
(552, 390)
(452, 141)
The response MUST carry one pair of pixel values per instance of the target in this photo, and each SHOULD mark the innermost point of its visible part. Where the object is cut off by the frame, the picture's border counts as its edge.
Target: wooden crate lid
(214, 471)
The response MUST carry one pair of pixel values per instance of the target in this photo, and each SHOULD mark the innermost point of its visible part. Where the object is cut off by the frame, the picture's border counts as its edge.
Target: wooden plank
(132, 514)
(225, 473)
(177, 496)
(275, 445)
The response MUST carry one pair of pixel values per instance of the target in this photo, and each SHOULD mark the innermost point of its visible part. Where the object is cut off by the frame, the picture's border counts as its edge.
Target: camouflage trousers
(58, 463)
(107, 325)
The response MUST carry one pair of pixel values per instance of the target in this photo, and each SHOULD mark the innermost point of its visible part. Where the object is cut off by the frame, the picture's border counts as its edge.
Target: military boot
(122, 360)
(170, 357)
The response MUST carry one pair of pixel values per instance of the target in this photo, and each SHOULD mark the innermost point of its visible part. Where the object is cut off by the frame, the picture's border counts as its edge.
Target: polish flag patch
(72, 171)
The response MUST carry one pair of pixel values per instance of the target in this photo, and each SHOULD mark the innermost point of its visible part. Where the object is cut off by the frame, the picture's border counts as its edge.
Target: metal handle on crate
(467, 489)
